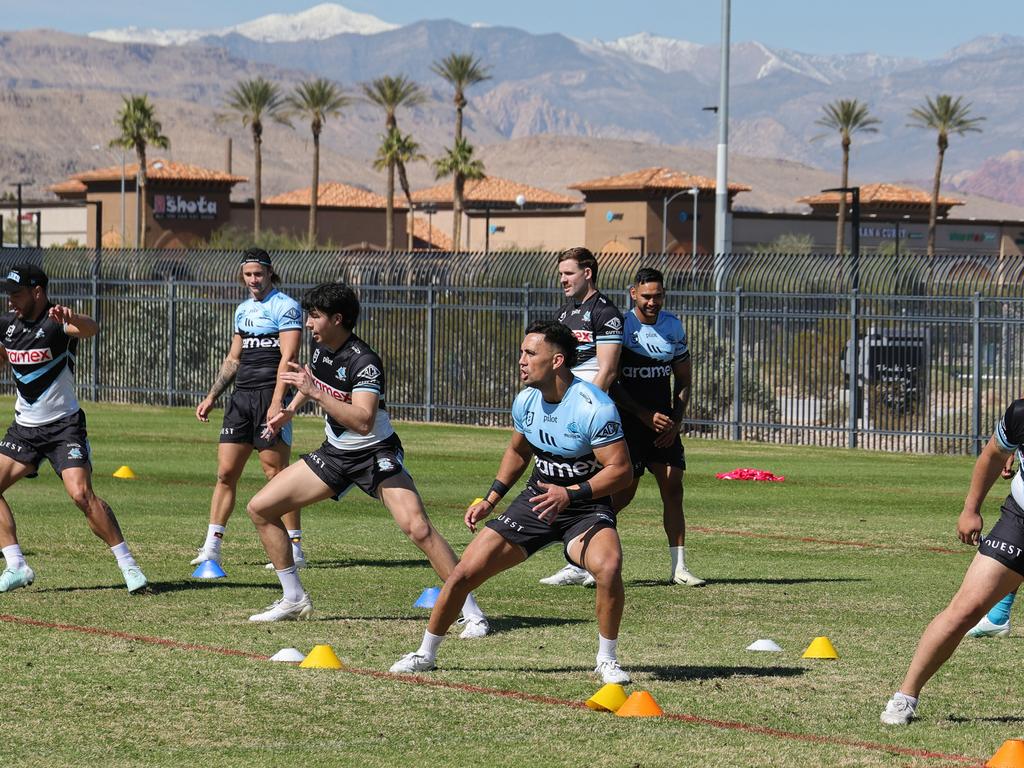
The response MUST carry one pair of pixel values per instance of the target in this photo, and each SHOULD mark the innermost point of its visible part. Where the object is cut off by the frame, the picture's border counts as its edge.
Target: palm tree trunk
(315, 191)
(389, 214)
(933, 209)
(257, 174)
(458, 122)
(456, 214)
(140, 200)
(841, 221)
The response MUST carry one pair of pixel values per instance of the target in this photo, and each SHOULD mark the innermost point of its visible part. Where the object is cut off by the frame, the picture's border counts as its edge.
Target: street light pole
(664, 215)
(722, 239)
(695, 191)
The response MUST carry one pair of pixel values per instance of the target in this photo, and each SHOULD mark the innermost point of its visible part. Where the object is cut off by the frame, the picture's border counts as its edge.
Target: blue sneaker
(134, 579)
(16, 578)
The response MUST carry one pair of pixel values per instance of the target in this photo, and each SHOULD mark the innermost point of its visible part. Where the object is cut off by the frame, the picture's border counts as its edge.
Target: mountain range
(638, 96)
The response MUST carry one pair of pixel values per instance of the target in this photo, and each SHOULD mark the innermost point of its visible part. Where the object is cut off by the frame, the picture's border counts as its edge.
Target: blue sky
(891, 27)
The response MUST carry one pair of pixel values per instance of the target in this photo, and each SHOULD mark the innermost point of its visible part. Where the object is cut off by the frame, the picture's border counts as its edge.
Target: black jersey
(42, 357)
(353, 368)
(1010, 436)
(593, 322)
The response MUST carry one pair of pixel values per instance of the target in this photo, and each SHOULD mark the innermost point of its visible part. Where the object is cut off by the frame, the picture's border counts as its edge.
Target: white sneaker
(611, 672)
(476, 626)
(206, 554)
(684, 577)
(16, 578)
(300, 563)
(899, 711)
(568, 576)
(285, 610)
(412, 662)
(986, 628)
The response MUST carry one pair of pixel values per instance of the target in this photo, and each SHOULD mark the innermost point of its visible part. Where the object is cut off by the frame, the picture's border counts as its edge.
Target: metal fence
(881, 352)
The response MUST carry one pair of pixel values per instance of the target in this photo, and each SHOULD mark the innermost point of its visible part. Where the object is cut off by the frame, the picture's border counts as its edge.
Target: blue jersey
(648, 354)
(260, 323)
(564, 435)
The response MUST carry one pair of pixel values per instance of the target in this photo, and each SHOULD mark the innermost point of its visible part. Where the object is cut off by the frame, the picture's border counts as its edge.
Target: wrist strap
(582, 493)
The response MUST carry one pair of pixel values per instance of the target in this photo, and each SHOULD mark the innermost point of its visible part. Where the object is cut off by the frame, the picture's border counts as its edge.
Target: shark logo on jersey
(586, 316)
(342, 374)
(384, 464)
(75, 453)
(611, 429)
(573, 431)
(40, 333)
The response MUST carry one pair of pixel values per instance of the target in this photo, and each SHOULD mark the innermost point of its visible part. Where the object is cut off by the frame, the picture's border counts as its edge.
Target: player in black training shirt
(40, 340)
(997, 569)
(346, 379)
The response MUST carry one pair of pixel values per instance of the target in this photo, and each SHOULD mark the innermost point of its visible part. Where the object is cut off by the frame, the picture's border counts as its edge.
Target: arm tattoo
(228, 369)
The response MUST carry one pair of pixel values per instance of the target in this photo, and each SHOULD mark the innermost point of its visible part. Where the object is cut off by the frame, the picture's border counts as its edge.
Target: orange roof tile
(431, 235)
(882, 194)
(654, 179)
(334, 194)
(69, 187)
(492, 189)
(159, 169)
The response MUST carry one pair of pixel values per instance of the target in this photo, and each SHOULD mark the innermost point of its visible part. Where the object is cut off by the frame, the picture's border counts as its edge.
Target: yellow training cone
(608, 699)
(322, 657)
(125, 472)
(821, 648)
(639, 704)
(1010, 755)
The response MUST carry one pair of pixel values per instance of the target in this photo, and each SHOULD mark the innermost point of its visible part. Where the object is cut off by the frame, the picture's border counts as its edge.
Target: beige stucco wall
(341, 227)
(526, 231)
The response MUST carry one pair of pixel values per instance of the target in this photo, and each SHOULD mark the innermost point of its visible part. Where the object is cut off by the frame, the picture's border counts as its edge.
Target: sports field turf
(856, 546)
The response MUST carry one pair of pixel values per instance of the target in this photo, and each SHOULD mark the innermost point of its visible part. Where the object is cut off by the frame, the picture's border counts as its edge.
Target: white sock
(124, 556)
(296, 536)
(214, 537)
(606, 648)
(471, 609)
(911, 699)
(15, 559)
(678, 555)
(429, 645)
(289, 578)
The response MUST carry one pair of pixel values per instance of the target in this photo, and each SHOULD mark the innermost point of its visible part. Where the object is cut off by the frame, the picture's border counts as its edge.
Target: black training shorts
(1005, 542)
(366, 468)
(63, 442)
(245, 418)
(642, 451)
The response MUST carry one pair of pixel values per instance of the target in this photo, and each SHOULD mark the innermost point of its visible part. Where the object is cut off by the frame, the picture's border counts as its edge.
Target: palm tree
(395, 152)
(389, 93)
(945, 115)
(459, 163)
(254, 101)
(139, 129)
(461, 70)
(848, 116)
(316, 100)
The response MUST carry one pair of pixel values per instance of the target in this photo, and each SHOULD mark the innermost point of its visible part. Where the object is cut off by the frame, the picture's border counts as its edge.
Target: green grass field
(843, 548)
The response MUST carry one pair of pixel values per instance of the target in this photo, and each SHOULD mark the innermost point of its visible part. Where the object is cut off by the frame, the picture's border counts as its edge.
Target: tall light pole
(722, 239)
(100, 234)
(695, 191)
(664, 216)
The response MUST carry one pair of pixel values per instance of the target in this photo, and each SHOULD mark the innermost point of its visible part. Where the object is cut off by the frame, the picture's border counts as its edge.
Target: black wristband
(582, 493)
(499, 488)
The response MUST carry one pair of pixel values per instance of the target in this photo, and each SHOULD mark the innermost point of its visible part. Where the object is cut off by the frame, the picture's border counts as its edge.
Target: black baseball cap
(24, 276)
(255, 255)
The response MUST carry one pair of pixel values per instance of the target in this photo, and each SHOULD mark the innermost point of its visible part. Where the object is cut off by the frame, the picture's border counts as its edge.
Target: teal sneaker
(15, 578)
(135, 579)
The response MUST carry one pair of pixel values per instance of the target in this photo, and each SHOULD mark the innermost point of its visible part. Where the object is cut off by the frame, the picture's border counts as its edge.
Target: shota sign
(183, 207)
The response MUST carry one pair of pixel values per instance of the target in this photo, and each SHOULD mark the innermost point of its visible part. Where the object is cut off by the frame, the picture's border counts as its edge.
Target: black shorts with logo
(520, 525)
(1005, 542)
(245, 418)
(642, 451)
(366, 468)
(63, 442)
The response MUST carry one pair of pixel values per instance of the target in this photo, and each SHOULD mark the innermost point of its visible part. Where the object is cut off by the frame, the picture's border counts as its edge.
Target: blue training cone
(208, 569)
(427, 598)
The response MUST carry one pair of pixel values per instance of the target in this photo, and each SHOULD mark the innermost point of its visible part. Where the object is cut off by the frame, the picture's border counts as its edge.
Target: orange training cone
(820, 648)
(124, 472)
(1010, 755)
(322, 657)
(639, 704)
(608, 699)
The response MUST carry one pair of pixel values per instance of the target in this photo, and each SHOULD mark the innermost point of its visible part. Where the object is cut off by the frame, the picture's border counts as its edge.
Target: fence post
(737, 377)
(854, 373)
(95, 284)
(172, 332)
(976, 373)
(526, 307)
(429, 400)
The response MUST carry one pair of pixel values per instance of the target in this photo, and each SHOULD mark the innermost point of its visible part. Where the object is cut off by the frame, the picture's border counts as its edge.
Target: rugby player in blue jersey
(572, 431)
(40, 341)
(267, 331)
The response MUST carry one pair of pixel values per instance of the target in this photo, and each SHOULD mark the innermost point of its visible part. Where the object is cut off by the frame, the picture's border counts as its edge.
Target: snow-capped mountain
(318, 23)
(664, 53)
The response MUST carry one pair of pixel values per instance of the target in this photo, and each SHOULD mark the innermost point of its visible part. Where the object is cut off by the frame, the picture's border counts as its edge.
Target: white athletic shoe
(206, 554)
(285, 610)
(16, 578)
(986, 628)
(611, 672)
(412, 662)
(300, 563)
(476, 626)
(899, 711)
(684, 577)
(569, 576)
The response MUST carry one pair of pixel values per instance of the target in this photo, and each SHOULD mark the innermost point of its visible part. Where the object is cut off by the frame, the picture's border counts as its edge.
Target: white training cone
(765, 644)
(288, 654)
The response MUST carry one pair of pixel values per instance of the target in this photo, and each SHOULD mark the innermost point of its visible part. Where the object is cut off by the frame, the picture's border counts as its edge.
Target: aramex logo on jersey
(584, 336)
(29, 356)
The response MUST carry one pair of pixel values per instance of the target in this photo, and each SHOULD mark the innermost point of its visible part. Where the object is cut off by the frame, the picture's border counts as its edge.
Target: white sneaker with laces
(899, 710)
(684, 577)
(206, 554)
(412, 662)
(285, 610)
(300, 563)
(569, 576)
(986, 628)
(476, 626)
(16, 578)
(611, 672)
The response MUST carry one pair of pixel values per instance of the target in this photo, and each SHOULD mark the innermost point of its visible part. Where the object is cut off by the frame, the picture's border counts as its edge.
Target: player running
(40, 340)
(572, 429)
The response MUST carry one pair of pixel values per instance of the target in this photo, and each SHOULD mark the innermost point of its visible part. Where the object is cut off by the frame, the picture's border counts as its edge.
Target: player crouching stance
(573, 429)
(996, 570)
(346, 379)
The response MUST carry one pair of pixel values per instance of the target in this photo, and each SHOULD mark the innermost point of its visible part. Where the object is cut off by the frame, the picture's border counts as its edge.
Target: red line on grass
(732, 725)
(814, 540)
